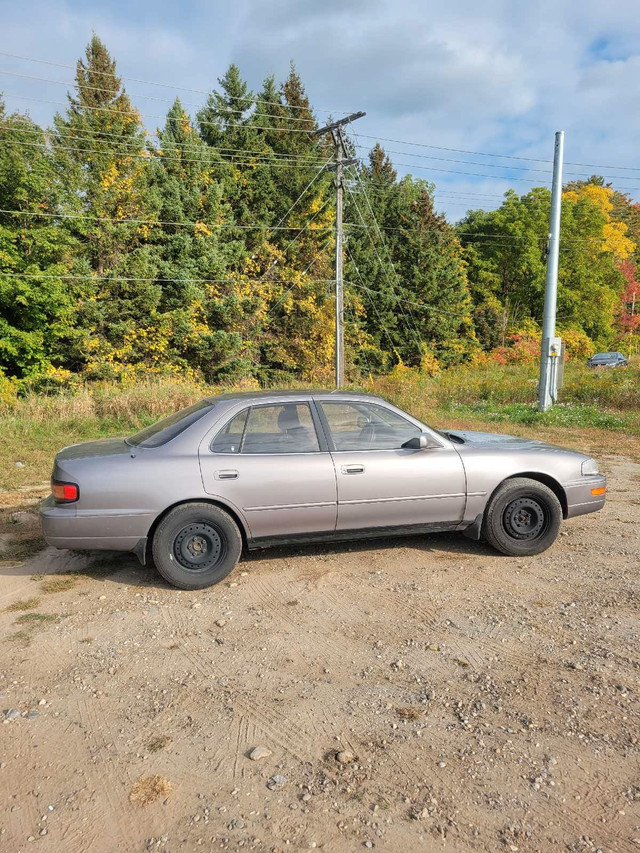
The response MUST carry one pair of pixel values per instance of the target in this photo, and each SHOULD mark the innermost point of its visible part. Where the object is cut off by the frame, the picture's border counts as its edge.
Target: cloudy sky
(491, 78)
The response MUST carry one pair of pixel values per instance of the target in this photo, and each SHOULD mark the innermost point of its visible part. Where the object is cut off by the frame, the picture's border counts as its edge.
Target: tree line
(206, 249)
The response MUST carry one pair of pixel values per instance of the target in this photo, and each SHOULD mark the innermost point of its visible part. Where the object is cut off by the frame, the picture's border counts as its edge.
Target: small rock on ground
(259, 752)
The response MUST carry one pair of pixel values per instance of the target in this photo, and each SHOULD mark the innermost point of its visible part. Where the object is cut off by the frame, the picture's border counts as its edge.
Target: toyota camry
(265, 468)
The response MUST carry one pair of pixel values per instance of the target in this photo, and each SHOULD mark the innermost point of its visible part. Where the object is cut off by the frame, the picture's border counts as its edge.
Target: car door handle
(229, 474)
(352, 469)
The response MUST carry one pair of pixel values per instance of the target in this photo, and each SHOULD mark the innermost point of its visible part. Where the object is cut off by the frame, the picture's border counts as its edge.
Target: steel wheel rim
(525, 519)
(199, 546)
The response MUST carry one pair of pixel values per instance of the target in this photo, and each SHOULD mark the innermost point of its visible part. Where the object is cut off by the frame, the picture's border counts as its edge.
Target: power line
(309, 132)
(496, 165)
(258, 227)
(155, 83)
(410, 302)
(490, 154)
(238, 280)
(254, 227)
(261, 159)
(152, 97)
(297, 283)
(374, 306)
(413, 331)
(139, 114)
(100, 136)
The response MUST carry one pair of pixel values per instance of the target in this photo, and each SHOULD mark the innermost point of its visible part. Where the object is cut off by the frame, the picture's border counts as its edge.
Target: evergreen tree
(102, 162)
(410, 257)
(37, 301)
(203, 314)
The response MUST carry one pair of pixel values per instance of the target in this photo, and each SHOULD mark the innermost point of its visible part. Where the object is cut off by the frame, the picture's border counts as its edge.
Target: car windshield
(168, 428)
(605, 356)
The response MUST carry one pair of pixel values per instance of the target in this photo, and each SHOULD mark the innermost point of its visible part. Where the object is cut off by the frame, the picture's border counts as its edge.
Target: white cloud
(498, 76)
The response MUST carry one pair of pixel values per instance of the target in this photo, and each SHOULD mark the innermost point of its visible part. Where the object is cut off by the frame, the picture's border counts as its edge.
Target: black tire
(196, 545)
(523, 518)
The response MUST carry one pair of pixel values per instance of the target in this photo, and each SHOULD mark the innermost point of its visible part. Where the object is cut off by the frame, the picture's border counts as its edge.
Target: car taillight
(64, 492)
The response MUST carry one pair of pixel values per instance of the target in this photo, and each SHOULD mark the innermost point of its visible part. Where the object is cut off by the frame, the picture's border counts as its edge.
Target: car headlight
(589, 466)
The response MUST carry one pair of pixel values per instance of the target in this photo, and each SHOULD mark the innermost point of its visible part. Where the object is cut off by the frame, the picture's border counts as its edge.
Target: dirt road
(415, 694)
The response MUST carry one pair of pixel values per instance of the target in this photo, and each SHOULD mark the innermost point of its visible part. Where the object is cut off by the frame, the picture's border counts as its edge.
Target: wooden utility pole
(335, 129)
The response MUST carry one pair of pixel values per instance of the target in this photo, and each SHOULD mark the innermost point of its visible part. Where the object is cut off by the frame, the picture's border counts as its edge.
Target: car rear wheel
(523, 518)
(196, 545)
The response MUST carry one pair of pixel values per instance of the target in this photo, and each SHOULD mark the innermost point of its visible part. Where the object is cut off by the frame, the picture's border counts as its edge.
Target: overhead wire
(156, 83)
(137, 95)
(414, 331)
(48, 137)
(139, 114)
(125, 221)
(493, 154)
(162, 280)
(251, 100)
(266, 158)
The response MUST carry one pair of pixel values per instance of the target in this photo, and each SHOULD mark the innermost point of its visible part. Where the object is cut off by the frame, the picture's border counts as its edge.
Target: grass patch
(26, 547)
(20, 638)
(51, 585)
(30, 622)
(36, 618)
(36, 427)
(410, 713)
(148, 789)
(25, 604)
(158, 743)
(574, 415)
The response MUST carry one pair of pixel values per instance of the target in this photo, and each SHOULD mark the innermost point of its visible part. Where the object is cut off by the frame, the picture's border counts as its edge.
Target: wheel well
(546, 480)
(234, 515)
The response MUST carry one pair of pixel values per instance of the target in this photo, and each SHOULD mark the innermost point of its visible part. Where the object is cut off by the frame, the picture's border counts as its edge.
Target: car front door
(271, 463)
(383, 484)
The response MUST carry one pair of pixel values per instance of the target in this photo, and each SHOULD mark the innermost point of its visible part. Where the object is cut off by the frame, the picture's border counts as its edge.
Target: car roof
(298, 394)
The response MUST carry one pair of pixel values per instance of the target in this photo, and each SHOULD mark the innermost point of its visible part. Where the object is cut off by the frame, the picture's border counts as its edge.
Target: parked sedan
(276, 467)
(607, 359)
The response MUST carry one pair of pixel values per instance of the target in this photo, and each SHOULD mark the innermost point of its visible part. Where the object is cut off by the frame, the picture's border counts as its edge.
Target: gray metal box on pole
(551, 345)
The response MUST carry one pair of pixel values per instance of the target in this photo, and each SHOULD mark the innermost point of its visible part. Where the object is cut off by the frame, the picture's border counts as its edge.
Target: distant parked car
(607, 359)
(274, 467)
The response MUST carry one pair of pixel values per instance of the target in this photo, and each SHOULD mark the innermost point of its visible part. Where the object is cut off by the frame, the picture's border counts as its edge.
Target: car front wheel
(523, 518)
(196, 545)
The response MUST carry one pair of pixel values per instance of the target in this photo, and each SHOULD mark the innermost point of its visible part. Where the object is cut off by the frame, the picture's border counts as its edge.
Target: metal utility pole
(335, 128)
(551, 345)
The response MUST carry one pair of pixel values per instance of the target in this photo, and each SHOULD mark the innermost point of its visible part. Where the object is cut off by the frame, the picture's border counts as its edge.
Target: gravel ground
(422, 693)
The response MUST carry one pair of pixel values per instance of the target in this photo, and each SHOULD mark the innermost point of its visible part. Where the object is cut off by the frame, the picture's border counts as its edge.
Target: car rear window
(168, 428)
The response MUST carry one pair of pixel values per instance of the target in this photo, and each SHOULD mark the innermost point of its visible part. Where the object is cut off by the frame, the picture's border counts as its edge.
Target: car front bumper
(580, 499)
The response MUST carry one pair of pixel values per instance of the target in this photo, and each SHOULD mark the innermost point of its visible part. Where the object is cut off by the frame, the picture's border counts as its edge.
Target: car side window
(286, 428)
(229, 438)
(365, 426)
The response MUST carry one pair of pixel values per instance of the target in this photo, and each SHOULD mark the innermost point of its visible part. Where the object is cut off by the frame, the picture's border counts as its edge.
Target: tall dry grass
(35, 427)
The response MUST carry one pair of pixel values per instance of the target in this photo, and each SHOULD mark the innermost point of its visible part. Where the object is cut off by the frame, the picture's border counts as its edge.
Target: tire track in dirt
(109, 776)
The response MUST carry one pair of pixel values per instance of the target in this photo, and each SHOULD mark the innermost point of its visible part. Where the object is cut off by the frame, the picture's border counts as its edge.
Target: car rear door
(271, 462)
(382, 484)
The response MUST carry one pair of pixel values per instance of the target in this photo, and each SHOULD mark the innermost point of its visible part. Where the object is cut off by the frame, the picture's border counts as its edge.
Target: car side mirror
(417, 442)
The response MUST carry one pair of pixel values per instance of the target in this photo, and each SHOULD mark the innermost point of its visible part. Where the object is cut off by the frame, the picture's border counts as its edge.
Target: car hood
(87, 449)
(497, 441)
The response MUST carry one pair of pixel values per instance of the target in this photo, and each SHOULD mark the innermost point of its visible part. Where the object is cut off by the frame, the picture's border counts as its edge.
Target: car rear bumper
(95, 530)
(580, 497)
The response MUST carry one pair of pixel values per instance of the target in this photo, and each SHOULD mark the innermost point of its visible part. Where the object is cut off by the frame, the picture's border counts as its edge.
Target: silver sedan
(266, 468)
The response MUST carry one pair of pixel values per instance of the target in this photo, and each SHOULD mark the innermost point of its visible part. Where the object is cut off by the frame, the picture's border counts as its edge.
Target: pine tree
(368, 265)
(37, 300)
(102, 162)
(201, 313)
